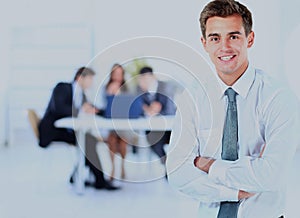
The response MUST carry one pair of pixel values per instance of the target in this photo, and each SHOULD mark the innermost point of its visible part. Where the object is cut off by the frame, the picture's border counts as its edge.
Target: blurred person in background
(117, 140)
(157, 97)
(67, 100)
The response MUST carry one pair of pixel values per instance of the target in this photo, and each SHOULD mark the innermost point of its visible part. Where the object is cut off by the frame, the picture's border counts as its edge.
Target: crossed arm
(204, 164)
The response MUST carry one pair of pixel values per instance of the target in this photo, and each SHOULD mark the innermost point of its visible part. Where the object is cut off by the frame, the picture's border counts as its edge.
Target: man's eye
(214, 39)
(234, 37)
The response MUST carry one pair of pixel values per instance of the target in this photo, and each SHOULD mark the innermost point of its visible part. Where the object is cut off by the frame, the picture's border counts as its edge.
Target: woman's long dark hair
(114, 67)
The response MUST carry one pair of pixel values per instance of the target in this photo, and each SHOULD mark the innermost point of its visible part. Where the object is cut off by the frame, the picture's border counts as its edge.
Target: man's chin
(226, 72)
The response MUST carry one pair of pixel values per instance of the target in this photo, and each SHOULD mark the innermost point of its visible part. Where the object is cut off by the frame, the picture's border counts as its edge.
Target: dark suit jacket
(60, 106)
(164, 95)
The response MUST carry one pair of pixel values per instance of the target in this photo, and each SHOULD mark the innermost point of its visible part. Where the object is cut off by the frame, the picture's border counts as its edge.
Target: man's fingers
(244, 194)
(196, 161)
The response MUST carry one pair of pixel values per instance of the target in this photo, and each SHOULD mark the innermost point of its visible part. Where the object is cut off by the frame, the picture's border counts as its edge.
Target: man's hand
(203, 163)
(90, 109)
(153, 109)
(243, 194)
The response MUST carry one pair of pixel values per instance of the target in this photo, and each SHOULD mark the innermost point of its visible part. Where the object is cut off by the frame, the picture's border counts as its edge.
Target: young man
(245, 174)
(66, 101)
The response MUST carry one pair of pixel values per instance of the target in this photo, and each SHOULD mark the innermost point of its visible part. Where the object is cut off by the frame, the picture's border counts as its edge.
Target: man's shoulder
(63, 85)
(166, 87)
(272, 89)
(62, 88)
(268, 82)
(162, 84)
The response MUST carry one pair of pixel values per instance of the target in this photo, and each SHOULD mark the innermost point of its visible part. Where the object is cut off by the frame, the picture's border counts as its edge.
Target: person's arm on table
(153, 109)
(89, 109)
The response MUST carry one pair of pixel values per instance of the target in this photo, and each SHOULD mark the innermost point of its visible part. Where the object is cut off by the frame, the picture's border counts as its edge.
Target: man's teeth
(226, 58)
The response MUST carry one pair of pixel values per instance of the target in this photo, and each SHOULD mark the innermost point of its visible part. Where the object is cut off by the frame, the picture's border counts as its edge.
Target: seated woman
(117, 141)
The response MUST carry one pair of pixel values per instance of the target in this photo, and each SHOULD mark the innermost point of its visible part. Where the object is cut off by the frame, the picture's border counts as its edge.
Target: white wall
(117, 21)
(42, 42)
(114, 21)
(290, 42)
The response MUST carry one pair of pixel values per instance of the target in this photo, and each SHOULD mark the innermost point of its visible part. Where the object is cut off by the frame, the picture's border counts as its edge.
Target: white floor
(34, 184)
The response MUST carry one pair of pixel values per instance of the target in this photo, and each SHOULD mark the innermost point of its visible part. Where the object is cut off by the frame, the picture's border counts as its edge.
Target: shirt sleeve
(182, 174)
(280, 117)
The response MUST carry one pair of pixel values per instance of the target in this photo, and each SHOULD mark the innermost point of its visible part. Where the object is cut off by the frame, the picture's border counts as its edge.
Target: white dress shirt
(152, 89)
(268, 116)
(77, 95)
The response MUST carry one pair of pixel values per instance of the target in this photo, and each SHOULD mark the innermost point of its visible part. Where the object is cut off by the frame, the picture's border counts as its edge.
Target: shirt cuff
(217, 172)
(229, 194)
(218, 169)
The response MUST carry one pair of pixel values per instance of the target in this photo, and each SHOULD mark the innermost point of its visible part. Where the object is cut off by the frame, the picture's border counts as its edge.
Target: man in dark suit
(157, 97)
(66, 101)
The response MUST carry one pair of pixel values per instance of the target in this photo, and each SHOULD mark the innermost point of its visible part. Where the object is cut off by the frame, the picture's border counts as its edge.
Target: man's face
(227, 44)
(145, 81)
(85, 82)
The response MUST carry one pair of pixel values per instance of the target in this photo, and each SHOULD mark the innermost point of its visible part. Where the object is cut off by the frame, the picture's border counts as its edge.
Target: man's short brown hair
(84, 71)
(225, 8)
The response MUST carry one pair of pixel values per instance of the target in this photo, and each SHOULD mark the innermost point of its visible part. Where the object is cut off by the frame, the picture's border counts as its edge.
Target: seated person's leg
(56, 134)
(112, 141)
(92, 159)
(65, 135)
(123, 151)
(157, 140)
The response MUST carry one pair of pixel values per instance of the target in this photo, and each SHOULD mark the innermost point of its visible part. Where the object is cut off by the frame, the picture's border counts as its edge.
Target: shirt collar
(242, 85)
(153, 87)
(76, 88)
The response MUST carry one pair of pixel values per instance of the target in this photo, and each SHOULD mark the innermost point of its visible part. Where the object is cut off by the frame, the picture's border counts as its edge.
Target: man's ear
(250, 39)
(203, 41)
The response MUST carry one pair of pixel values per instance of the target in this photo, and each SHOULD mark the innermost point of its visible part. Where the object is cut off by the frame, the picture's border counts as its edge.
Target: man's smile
(227, 58)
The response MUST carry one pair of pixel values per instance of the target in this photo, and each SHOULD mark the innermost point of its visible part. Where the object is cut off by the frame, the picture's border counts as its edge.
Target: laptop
(123, 106)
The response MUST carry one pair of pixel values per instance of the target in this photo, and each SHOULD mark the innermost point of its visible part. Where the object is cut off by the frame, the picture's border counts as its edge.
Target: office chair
(34, 120)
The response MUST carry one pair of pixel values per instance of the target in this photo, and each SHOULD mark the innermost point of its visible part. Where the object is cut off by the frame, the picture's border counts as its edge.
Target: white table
(87, 123)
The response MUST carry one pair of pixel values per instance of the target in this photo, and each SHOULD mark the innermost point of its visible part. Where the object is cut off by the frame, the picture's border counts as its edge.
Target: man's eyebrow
(213, 34)
(235, 33)
(218, 35)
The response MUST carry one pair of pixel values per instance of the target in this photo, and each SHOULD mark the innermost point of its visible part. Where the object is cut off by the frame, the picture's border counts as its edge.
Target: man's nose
(225, 44)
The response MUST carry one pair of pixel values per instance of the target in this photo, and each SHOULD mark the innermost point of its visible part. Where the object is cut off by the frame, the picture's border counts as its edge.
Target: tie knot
(231, 94)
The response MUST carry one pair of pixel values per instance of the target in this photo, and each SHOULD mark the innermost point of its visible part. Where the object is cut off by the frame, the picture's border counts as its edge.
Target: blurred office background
(43, 42)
